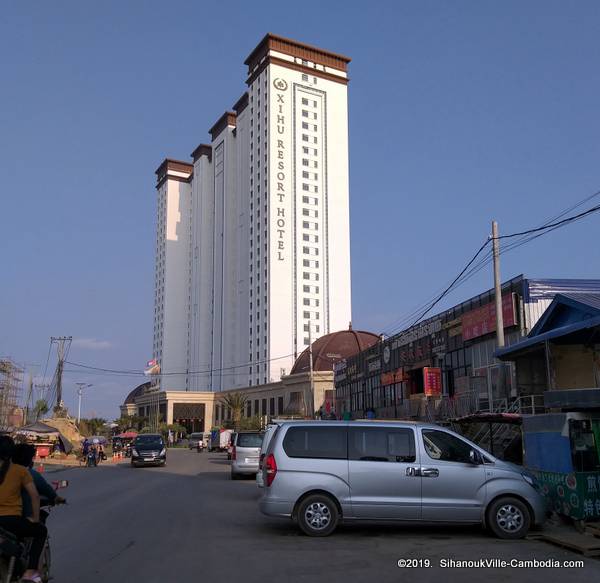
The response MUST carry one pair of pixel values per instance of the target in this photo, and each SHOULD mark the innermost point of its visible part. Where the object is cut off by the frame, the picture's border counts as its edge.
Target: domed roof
(139, 390)
(333, 347)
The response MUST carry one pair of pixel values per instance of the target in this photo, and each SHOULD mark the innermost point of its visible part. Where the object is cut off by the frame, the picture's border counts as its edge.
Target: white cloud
(91, 344)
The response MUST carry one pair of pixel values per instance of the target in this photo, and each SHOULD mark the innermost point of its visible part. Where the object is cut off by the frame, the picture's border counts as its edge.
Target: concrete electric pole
(501, 387)
(61, 342)
(497, 286)
(80, 387)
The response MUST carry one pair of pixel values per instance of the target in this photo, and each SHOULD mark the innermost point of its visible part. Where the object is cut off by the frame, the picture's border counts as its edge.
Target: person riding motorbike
(23, 455)
(13, 479)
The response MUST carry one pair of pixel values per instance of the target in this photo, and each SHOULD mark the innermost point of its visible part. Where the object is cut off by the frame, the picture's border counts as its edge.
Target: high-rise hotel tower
(253, 243)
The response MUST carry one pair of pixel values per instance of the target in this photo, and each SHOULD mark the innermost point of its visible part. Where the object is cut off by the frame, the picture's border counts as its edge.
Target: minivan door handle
(430, 472)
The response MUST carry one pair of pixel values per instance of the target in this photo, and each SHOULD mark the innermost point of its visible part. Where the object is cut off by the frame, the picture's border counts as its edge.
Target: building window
(304, 77)
(304, 137)
(304, 162)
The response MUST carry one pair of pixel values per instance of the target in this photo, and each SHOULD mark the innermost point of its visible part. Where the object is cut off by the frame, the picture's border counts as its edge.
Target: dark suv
(148, 449)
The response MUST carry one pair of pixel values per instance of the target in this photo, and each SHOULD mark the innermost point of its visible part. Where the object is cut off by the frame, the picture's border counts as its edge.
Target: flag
(153, 368)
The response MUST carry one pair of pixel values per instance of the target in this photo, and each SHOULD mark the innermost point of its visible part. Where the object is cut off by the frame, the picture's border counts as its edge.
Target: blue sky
(459, 112)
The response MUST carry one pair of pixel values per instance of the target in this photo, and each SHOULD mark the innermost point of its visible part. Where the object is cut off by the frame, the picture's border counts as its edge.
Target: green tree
(131, 422)
(40, 408)
(93, 426)
(236, 402)
(251, 423)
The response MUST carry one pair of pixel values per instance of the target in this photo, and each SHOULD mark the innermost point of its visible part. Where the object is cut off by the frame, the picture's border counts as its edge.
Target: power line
(447, 290)
(553, 225)
(526, 237)
(186, 372)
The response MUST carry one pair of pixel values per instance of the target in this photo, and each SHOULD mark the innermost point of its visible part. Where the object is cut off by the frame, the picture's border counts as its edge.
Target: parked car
(245, 453)
(148, 449)
(269, 432)
(321, 472)
(194, 439)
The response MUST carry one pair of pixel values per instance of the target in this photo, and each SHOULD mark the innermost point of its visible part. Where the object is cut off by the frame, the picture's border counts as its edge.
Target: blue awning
(510, 351)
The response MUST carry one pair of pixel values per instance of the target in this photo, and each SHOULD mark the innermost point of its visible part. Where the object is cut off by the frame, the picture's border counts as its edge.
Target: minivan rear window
(382, 444)
(249, 440)
(316, 442)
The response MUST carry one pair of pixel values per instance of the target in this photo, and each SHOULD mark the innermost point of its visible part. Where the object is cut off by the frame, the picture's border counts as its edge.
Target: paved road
(190, 522)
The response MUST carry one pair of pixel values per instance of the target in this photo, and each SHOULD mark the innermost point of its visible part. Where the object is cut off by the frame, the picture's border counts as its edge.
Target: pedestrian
(100, 450)
(171, 438)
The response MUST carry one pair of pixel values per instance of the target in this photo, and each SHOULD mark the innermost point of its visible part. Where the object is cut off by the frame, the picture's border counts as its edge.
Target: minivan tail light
(233, 453)
(271, 469)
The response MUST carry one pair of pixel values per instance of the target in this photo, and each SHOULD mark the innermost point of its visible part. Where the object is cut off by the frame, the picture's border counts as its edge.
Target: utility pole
(61, 341)
(29, 394)
(499, 314)
(497, 286)
(80, 387)
(311, 399)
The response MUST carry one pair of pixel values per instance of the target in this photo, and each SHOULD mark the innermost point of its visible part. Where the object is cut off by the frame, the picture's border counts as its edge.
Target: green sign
(576, 495)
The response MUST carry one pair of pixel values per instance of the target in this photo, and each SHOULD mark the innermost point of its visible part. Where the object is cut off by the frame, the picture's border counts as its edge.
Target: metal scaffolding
(11, 379)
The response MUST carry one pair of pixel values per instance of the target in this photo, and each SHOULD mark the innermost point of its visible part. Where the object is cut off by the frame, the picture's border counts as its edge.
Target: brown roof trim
(227, 119)
(295, 67)
(241, 103)
(172, 164)
(162, 172)
(202, 150)
(295, 49)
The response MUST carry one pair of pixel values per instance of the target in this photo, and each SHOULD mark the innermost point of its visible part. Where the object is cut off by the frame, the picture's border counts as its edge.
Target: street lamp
(80, 387)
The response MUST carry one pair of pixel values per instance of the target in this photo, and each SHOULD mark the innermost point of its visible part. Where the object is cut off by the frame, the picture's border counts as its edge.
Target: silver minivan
(321, 472)
(245, 453)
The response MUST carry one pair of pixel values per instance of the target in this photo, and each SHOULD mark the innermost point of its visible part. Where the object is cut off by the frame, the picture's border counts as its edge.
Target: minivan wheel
(317, 515)
(509, 518)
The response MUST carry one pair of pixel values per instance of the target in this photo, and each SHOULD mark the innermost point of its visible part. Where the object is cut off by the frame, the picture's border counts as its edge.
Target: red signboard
(389, 378)
(432, 380)
(482, 321)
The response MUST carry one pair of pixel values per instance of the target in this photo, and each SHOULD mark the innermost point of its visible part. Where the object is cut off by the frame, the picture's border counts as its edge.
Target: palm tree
(236, 403)
(40, 408)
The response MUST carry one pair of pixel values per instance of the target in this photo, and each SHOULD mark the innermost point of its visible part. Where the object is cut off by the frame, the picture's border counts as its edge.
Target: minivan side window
(381, 444)
(442, 446)
(316, 442)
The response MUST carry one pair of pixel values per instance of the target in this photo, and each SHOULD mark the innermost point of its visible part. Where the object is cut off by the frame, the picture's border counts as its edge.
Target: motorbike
(91, 461)
(200, 447)
(14, 553)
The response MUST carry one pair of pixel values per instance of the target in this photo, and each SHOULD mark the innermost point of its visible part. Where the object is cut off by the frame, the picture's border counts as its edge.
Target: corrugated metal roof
(592, 300)
(540, 289)
(507, 353)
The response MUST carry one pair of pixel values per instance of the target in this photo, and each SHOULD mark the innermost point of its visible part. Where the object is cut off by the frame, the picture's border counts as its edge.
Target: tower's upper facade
(269, 243)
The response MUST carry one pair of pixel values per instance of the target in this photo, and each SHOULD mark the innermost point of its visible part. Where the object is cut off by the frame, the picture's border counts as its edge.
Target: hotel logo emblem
(280, 84)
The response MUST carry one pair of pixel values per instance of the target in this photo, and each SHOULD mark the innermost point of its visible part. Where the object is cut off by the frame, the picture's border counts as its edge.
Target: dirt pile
(67, 427)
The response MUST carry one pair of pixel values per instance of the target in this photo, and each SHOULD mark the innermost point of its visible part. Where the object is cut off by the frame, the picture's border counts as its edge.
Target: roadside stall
(560, 359)
(122, 441)
(46, 440)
